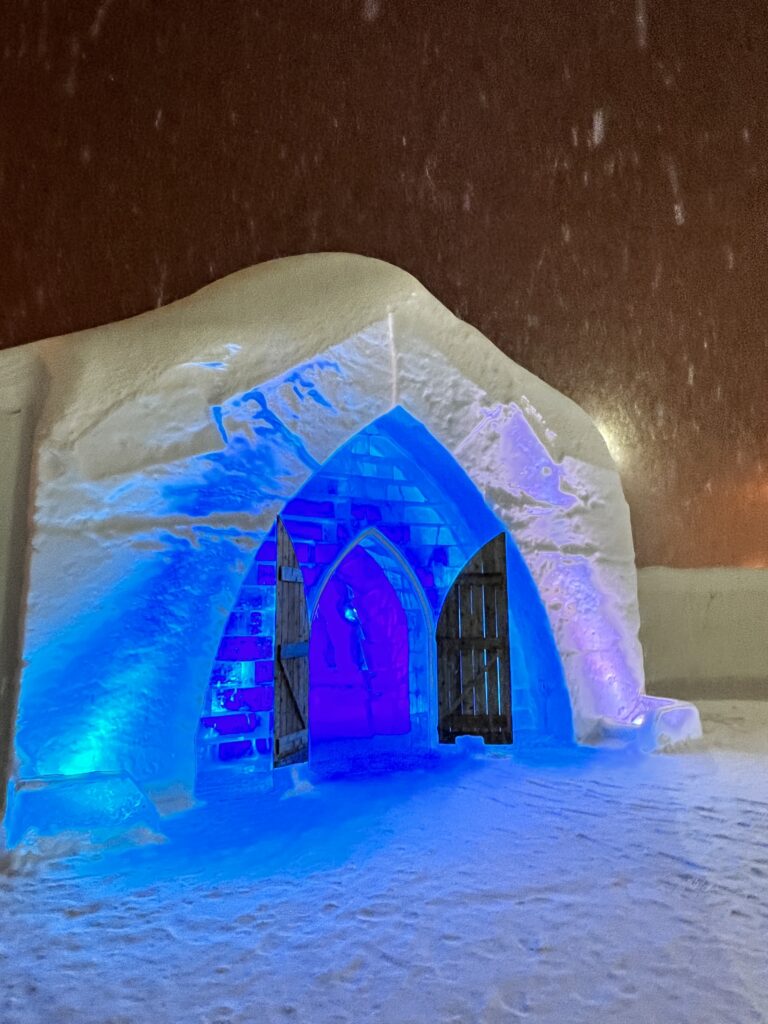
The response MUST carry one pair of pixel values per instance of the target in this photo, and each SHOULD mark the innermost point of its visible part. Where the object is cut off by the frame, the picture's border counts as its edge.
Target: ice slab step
(655, 724)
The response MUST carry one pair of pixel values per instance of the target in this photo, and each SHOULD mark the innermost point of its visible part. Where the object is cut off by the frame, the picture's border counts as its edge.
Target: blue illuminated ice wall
(381, 532)
(119, 692)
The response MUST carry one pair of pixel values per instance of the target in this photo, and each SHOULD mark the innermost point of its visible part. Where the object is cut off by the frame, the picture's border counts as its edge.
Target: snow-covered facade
(328, 404)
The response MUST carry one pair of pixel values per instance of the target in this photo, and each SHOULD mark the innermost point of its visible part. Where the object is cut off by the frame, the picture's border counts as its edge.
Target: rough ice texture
(168, 443)
(705, 630)
(19, 393)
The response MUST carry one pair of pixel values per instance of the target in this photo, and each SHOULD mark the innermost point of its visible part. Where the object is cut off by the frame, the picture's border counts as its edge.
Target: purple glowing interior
(358, 655)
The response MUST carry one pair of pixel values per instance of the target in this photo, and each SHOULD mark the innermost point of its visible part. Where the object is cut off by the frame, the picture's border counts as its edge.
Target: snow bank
(705, 630)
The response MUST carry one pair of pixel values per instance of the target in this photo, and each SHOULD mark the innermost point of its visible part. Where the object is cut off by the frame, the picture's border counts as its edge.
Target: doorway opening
(370, 662)
(385, 612)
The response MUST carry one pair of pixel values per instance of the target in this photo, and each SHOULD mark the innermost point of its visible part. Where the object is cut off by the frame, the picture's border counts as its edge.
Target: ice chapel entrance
(375, 621)
(352, 678)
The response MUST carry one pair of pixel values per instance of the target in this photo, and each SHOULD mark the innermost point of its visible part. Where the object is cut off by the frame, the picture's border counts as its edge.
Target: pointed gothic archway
(391, 514)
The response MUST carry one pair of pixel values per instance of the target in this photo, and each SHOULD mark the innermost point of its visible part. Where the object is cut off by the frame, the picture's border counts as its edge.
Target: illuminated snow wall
(393, 492)
(166, 446)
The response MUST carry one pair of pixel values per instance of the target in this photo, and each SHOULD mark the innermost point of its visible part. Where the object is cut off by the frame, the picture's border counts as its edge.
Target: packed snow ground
(595, 886)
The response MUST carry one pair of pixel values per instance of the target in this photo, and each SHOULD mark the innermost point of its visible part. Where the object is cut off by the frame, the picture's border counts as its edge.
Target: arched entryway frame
(394, 485)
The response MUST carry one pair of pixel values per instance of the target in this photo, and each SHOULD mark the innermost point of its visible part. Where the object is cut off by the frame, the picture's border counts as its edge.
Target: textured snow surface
(601, 886)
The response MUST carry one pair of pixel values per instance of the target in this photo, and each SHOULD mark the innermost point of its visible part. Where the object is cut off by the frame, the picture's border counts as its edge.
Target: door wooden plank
(474, 694)
(297, 650)
(448, 655)
(292, 744)
(291, 677)
(476, 681)
(293, 695)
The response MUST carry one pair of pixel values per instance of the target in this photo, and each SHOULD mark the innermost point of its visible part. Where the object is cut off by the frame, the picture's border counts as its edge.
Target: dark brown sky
(586, 182)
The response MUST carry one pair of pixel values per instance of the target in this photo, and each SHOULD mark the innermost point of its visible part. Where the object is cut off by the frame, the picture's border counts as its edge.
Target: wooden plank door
(473, 678)
(291, 657)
